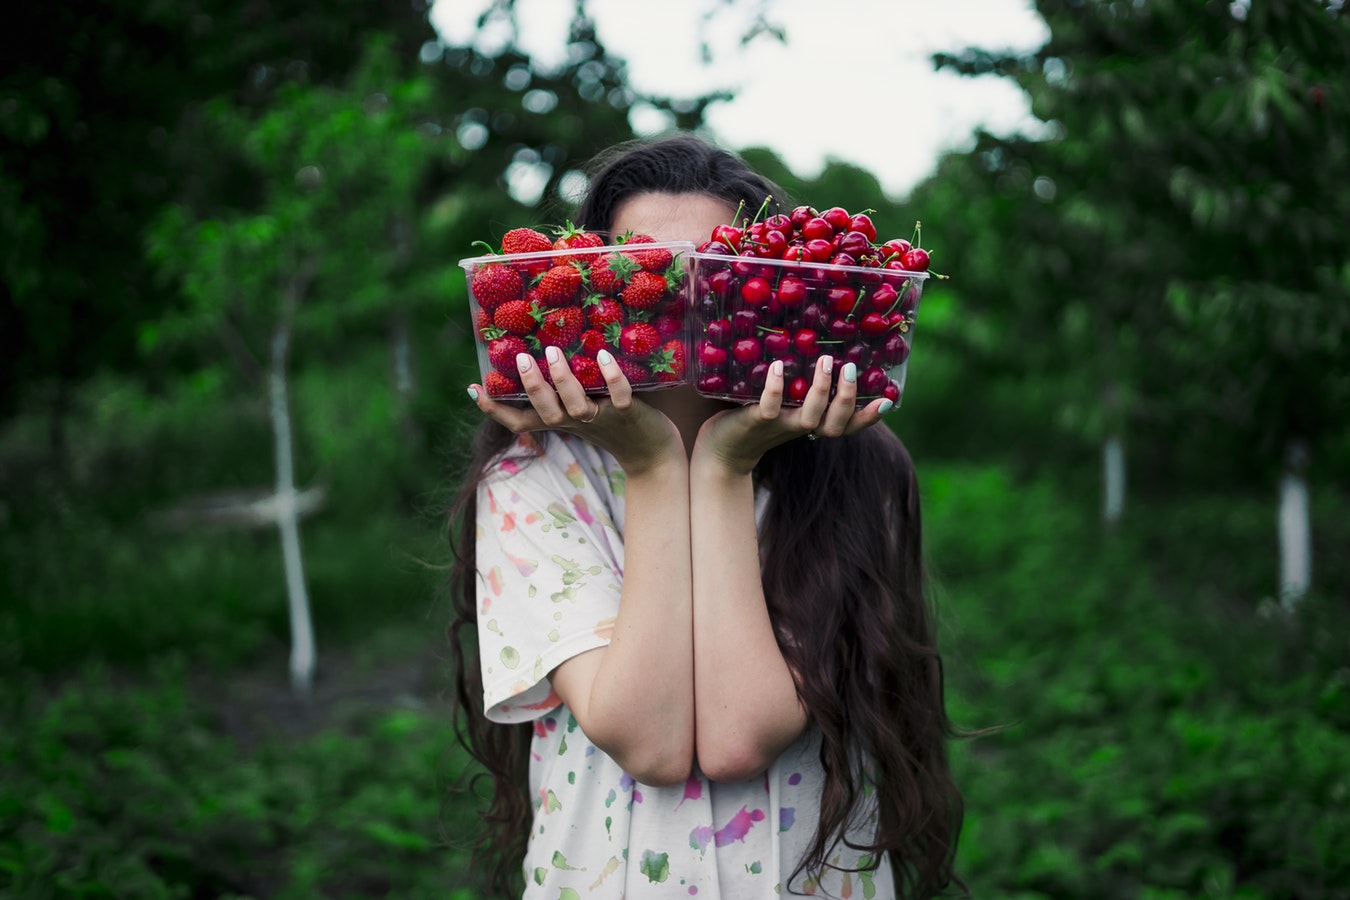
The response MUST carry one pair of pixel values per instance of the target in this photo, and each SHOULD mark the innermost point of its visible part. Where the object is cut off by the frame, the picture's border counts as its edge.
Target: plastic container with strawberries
(628, 298)
(749, 311)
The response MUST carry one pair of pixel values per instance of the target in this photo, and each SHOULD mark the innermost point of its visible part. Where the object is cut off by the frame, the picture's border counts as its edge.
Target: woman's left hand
(738, 438)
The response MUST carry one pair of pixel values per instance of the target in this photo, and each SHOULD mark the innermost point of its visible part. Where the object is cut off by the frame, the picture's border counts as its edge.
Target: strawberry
(608, 274)
(644, 290)
(495, 284)
(502, 353)
(657, 260)
(635, 372)
(499, 385)
(561, 327)
(483, 320)
(639, 339)
(559, 285)
(669, 364)
(515, 317)
(604, 312)
(587, 371)
(573, 237)
(592, 341)
(525, 240)
(669, 325)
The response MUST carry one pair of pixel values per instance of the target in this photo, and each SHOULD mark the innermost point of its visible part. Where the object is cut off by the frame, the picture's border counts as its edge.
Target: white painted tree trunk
(287, 514)
(1295, 522)
(1113, 479)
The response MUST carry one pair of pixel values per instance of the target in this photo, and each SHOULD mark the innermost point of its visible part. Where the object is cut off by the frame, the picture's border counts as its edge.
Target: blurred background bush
(232, 228)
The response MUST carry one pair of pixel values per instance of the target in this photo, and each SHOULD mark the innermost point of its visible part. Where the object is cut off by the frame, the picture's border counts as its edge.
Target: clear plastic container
(748, 312)
(631, 299)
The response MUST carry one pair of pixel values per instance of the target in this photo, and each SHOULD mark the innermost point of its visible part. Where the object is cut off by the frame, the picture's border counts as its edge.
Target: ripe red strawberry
(592, 341)
(483, 320)
(635, 372)
(657, 260)
(515, 317)
(608, 274)
(561, 327)
(669, 363)
(587, 371)
(495, 284)
(639, 340)
(669, 325)
(499, 384)
(559, 286)
(644, 290)
(502, 353)
(525, 240)
(573, 237)
(604, 312)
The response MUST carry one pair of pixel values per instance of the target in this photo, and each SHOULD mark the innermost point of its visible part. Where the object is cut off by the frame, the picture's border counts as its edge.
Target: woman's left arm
(746, 707)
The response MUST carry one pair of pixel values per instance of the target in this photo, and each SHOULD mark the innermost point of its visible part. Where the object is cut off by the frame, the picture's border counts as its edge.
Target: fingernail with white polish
(523, 362)
(886, 406)
(850, 372)
(827, 364)
(604, 357)
(553, 354)
(777, 367)
(473, 394)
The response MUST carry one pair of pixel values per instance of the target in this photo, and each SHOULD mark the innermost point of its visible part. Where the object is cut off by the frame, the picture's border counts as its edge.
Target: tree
(1196, 169)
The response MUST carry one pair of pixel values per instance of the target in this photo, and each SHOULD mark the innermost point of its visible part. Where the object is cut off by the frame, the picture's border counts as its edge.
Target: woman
(714, 627)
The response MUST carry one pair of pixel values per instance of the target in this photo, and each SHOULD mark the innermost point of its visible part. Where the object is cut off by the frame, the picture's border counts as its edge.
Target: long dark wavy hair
(843, 579)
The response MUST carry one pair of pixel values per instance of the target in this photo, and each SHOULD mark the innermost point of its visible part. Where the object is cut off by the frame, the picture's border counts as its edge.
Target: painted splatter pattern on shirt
(550, 554)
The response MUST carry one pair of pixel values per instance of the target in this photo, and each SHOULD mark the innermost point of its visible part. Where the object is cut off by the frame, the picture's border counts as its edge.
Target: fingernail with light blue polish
(886, 406)
(473, 394)
(604, 357)
(850, 372)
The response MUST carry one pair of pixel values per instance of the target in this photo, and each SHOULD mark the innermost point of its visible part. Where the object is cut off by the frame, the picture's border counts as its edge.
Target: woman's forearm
(746, 706)
(634, 699)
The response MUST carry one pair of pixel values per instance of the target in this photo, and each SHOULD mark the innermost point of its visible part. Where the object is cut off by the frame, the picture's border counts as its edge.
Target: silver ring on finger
(591, 418)
(811, 436)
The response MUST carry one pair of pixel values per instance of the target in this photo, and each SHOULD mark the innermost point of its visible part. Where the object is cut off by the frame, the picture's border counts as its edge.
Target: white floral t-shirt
(550, 560)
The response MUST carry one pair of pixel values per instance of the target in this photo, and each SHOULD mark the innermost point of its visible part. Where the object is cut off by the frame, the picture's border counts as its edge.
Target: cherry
(718, 332)
(895, 349)
(758, 374)
(713, 383)
(756, 290)
(916, 259)
(843, 328)
(796, 252)
(719, 283)
(911, 299)
(801, 215)
(883, 298)
(872, 381)
(837, 217)
(820, 249)
(863, 223)
(873, 325)
(892, 392)
(805, 343)
(894, 249)
(777, 344)
(745, 322)
(779, 222)
(858, 354)
(817, 229)
(746, 350)
(841, 299)
(855, 244)
(710, 356)
(728, 235)
(792, 291)
(797, 388)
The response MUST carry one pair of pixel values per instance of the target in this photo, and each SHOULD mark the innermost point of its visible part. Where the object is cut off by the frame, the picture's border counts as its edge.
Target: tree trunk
(1113, 479)
(1295, 524)
(287, 512)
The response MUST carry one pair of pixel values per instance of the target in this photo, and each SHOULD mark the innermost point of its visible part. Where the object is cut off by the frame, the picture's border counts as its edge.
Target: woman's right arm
(634, 698)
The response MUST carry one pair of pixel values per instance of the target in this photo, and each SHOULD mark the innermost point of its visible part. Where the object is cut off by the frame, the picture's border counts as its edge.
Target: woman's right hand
(638, 436)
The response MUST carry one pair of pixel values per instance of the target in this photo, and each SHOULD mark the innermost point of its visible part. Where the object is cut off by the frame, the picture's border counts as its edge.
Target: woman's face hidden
(672, 217)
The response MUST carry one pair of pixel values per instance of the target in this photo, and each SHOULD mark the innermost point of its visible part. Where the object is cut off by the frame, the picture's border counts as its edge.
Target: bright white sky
(853, 82)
